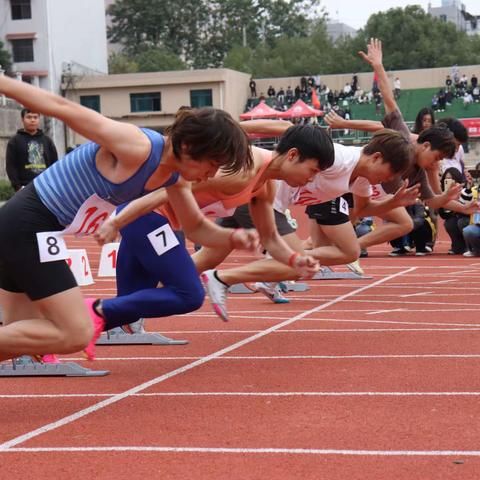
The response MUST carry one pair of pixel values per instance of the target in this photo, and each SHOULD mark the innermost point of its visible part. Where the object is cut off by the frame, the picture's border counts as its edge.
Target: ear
(293, 154)
(377, 157)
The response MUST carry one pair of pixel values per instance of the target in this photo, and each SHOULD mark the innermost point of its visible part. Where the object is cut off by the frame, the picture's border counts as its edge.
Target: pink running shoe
(98, 325)
(50, 358)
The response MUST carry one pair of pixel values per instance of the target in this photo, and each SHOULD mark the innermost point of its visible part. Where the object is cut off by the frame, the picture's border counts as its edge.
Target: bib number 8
(51, 247)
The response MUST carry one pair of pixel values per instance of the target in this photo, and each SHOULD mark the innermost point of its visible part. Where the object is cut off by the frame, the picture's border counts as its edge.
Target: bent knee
(76, 337)
(194, 300)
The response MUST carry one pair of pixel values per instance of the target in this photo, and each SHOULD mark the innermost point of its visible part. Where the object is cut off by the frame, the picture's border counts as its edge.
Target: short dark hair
(25, 111)
(395, 149)
(457, 127)
(440, 138)
(311, 142)
(211, 134)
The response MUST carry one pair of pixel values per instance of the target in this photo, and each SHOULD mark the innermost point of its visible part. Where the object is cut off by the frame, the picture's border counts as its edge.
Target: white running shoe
(134, 327)
(216, 292)
(272, 291)
(355, 267)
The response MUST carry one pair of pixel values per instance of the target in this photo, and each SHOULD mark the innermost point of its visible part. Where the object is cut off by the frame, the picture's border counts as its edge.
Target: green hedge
(6, 190)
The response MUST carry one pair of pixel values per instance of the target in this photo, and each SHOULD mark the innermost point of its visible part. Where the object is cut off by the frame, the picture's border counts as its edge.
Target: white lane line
(93, 408)
(376, 312)
(444, 281)
(415, 294)
(282, 451)
(289, 357)
(392, 322)
(252, 394)
(465, 328)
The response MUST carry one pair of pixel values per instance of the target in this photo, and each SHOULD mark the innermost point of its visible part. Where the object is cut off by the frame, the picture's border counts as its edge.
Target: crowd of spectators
(457, 87)
(339, 100)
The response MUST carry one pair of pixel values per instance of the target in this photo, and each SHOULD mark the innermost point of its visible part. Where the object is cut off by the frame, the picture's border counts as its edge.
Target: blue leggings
(140, 269)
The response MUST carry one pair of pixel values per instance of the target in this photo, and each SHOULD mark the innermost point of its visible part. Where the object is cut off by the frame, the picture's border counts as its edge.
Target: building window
(201, 98)
(91, 101)
(21, 9)
(145, 102)
(443, 18)
(22, 50)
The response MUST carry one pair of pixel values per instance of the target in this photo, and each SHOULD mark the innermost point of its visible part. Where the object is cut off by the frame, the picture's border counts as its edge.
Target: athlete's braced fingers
(107, 233)
(472, 207)
(306, 266)
(453, 192)
(406, 196)
(245, 239)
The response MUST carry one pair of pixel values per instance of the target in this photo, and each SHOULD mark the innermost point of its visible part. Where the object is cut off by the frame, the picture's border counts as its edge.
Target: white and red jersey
(328, 184)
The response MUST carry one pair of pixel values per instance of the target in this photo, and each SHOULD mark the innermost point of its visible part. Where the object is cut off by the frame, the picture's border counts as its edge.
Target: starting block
(326, 273)
(25, 366)
(290, 287)
(80, 266)
(117, 336)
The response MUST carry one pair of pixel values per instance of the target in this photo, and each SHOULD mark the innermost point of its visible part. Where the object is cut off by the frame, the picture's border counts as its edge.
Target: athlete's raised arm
(126, 141)
(374, 57)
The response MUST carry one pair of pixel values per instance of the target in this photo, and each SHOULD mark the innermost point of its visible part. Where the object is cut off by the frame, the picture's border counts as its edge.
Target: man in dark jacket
(29, 151)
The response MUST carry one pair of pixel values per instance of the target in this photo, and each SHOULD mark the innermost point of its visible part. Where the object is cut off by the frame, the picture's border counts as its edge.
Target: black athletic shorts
(20, 269)
(241, 219)
(333, 212)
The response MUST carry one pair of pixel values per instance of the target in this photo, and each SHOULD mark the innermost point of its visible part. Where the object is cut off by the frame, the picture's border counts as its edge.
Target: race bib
(51, 246)
(163, 239)
(343, 206)
(93, 212)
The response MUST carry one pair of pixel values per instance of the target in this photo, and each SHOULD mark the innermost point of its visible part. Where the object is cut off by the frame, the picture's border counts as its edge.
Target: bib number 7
(163, 239)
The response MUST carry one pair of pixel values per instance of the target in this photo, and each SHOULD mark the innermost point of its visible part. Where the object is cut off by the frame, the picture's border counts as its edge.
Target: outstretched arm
(374, 57)
(334, 120)
(126, 141)
(200, 229)
(273, 127)
(108, 231)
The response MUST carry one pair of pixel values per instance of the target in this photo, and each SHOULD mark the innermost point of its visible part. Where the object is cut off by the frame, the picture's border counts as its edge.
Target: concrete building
(152, 99)
(51, 39)
(336, 30)
(455, 12)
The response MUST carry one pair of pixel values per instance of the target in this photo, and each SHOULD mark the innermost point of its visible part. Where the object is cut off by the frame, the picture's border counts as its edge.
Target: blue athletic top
(65, 186)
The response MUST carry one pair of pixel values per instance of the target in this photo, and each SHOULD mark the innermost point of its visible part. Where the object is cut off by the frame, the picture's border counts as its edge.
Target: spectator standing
(29, 151)
(281, 95)
(271, 91)
(289, 95)
(448, 81)
(397, 87)
(464, 81)
(253, 88)
(474, 81)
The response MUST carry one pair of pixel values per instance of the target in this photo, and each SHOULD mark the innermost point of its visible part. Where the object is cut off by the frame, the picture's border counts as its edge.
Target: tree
(121, 63)
(158, 60)
(5, 58)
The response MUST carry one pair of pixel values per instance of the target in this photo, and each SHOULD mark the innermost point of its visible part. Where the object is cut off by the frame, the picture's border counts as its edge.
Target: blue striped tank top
(65, 186)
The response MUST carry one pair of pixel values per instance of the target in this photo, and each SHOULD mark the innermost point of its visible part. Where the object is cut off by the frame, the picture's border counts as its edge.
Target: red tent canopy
(262, 110)
(301, 109)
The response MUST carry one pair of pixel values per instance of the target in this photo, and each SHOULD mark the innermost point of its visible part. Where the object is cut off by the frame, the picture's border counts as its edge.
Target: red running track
(371, 379)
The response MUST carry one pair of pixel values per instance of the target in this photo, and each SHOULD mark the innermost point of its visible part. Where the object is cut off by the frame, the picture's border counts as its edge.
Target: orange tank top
(219, 205)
